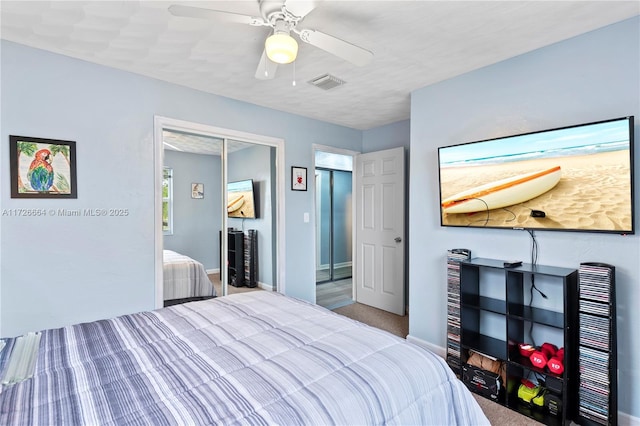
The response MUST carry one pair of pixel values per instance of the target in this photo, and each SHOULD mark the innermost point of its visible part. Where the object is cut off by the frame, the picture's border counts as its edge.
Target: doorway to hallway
(334, 232)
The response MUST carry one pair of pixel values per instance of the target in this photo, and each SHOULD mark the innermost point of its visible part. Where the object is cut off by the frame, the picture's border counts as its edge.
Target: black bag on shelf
(483, 382)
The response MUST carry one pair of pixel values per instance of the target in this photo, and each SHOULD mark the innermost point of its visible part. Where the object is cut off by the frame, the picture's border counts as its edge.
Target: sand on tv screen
(577, 178)
(240, 200)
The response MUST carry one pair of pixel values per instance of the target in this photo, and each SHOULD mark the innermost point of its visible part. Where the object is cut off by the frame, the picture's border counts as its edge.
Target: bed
(247, 358)
(184, 277)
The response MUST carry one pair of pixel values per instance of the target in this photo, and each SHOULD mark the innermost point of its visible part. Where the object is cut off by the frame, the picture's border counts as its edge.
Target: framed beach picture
(197, 190)
(42, 168)
(298, 178)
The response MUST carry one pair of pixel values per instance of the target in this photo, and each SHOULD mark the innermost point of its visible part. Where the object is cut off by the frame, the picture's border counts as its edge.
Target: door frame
(159, 124)
(352, 154)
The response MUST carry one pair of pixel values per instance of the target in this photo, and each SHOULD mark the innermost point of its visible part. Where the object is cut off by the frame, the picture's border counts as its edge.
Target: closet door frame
(165, 123)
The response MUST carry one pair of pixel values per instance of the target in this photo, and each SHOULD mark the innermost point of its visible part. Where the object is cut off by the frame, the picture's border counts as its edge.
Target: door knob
(397, 239)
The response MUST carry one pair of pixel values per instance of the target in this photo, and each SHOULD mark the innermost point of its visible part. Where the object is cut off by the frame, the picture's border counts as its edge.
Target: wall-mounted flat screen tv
(577, 178)
(241, 201)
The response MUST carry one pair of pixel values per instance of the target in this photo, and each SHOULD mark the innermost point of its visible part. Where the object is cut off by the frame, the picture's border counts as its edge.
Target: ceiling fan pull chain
(294, 74)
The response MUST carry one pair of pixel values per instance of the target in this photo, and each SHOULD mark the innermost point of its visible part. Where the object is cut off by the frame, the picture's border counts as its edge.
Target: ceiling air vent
(327, 82)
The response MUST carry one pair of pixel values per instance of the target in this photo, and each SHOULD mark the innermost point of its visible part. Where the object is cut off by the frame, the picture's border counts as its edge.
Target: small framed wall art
(197, 190)
(42, 168)
(298, 178)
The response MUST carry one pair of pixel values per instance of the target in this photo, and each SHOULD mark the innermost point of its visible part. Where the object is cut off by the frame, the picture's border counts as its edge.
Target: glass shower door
(323, 226)
(341, 214)
(333, 232)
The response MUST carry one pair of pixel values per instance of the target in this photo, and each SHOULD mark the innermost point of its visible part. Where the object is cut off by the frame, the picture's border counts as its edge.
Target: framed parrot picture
(42, 168)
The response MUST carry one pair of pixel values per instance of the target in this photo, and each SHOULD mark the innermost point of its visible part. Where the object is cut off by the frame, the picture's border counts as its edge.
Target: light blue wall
(57, 270)
(196, 221)
(386, 137)
(592, 77)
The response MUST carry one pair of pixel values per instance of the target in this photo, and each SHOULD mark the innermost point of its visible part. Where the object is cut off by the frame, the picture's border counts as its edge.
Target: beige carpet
(496, 413)
(215, 279)
(499, 415)
(376, 318)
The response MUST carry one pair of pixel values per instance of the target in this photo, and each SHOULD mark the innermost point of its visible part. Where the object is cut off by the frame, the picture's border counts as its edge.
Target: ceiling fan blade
(266, 68)
(300, 8)
(342, 49)
(217, 15)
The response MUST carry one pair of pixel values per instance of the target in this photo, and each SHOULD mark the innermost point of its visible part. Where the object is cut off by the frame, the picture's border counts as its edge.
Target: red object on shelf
(528, 383)
(560, 354)
(549, 349)
(538, 359)
(555, 366)
(526, 349)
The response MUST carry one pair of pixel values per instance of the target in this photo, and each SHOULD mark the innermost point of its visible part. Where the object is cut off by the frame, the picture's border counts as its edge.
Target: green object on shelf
(528, 392)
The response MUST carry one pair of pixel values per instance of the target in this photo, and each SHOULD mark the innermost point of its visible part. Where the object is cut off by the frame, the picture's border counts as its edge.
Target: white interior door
(379, 188)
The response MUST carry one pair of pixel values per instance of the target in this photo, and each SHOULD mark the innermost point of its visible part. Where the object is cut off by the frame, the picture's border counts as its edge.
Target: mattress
(248, 358)
(184, 277)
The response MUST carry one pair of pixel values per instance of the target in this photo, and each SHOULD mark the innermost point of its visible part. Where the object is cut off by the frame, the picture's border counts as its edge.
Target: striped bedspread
(248, 358)
(184, 277)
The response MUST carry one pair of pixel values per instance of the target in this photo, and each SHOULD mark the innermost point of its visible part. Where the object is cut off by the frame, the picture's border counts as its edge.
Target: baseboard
(264, 286)
(261, 286)
(438, 350)
(624, 419)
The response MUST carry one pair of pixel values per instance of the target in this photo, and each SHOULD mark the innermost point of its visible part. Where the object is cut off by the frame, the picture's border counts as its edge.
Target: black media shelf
(518, 360)
(508, 320)
(537, 315)
(534, 413)
(491, 346)
(235, 250)
(483, 303)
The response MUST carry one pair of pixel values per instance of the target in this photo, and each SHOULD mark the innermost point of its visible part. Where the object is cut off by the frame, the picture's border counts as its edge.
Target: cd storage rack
(251, 258)
(454, 256)
(597, 345)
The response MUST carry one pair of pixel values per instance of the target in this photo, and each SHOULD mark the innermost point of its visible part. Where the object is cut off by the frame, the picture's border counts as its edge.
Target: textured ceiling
(415, 43)
(196, 144)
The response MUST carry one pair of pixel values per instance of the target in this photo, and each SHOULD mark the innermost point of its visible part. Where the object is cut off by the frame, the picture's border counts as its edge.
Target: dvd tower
(250, 258)
(597, 355)
(454, 256)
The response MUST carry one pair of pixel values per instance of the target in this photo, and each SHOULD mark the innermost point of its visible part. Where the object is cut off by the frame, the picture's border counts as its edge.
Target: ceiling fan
(283, 16)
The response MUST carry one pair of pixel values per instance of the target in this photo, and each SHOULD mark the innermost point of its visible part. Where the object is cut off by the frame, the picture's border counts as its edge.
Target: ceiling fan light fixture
(281, 48)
